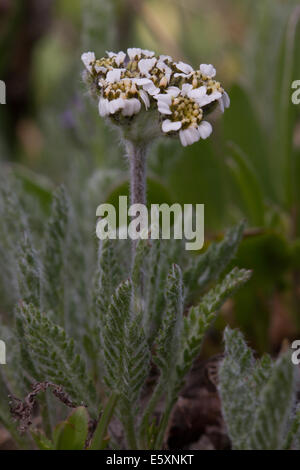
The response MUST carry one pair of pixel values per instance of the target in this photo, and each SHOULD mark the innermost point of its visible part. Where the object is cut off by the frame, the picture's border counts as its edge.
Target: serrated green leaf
(237, 388)
(209, 266)
(200, 318)
(168, 340)
(54, 356)
(126, 356)
(274, 409)
(54, 254)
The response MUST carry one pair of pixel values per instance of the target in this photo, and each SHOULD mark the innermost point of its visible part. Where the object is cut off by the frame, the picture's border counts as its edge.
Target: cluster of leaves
(258, 398)
(100, 339)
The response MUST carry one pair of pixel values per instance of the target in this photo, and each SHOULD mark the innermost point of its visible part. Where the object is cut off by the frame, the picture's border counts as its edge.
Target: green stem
(163, 425)
(99, 441)
(130, 432)
(293, 431)
(149, 411)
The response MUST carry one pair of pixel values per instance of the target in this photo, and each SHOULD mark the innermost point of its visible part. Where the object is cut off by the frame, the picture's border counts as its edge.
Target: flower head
(129, 85)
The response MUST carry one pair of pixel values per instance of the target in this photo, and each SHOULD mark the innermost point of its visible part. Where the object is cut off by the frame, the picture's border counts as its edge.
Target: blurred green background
(50, 132)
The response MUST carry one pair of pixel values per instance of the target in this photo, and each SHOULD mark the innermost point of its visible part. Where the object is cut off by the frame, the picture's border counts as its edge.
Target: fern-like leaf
(54, 356)
(168, 341)
(200, 318)
(154, 295)
(54, 254)
(275, 407)
(257, 397)
(106, 280)
(237, 388)
(126, 355)
(210, 265)
(29, 271)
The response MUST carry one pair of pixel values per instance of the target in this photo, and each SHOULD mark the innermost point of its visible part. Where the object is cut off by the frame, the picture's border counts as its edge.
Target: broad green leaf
(72, 434)
(242, 126)
(248, 185)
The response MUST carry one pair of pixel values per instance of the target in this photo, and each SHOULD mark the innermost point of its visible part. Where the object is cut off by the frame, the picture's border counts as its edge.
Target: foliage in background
(101, 342)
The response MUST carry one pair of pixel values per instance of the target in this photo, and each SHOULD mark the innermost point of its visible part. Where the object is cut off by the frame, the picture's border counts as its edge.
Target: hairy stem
(137, 154)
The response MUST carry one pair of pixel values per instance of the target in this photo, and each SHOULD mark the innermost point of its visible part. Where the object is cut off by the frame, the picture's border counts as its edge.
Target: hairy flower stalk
(137, 154)
(148, 96)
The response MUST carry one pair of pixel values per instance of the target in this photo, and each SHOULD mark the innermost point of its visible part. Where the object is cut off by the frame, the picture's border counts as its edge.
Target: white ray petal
(147, 53)
(185, 68)
(164, 99)
(120, 58)
(226, 100)
(184, 75)
(145, 65)
(88, 58)
(145, 98)
(114, 75)
(163, 57)
(141, 81)
(163, 108)
(131, 106)
(173, 91)
(203, 99)
(208, 70)
(133, 52)
(189, 136)
(150, 88)
(168, 126)
(116, 105)
(103, 107)
(207, 99)
(100, 68)
(164, 67)
(205, 129)
(197, 94)
(186, 89)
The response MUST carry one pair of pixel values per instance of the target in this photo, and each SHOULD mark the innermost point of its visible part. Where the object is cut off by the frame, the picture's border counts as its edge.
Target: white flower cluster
(137, 81)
